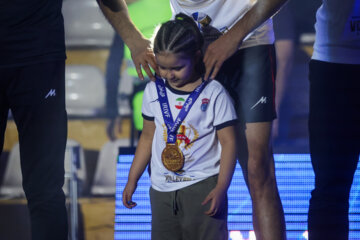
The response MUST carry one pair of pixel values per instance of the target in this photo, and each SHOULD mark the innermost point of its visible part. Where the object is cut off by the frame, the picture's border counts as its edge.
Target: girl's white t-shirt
(196, 136)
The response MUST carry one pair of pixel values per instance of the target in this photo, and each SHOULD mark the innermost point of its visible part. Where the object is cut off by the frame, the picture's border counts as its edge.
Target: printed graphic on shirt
(185, 136)
(178, 177)
(179, 102)
(204, 104)
(203, 21)
(185, 140)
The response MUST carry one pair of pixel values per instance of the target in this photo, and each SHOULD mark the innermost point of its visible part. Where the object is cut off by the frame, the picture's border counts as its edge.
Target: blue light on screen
(295, 180)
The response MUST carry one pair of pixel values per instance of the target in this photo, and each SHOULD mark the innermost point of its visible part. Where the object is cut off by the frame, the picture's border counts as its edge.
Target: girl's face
(177, 68)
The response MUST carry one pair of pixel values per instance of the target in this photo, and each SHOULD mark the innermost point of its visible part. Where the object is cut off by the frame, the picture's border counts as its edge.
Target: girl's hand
(217, 198)
(127, 195)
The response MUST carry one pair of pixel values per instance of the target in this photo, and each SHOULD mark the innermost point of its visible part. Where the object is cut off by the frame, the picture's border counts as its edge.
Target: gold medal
(172, 157)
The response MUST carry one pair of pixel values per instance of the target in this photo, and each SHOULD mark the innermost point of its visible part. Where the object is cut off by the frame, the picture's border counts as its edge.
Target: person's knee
(260, 164)
(260, 175)
(45, 199)
(259, 185)
(335, 194)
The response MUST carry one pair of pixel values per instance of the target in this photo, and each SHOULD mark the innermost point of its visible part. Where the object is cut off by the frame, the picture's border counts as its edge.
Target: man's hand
(142, 55)
(226, 45)
(217, 53)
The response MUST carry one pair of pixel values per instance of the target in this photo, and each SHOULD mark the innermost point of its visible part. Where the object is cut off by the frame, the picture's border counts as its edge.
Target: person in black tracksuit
(32, 86)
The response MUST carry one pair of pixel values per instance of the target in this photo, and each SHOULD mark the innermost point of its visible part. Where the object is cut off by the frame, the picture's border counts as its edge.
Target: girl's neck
(190, 86)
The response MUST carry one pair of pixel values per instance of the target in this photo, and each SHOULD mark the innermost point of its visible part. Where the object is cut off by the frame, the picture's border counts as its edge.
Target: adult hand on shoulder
(217, 53)
(143, 56)
(141, 52)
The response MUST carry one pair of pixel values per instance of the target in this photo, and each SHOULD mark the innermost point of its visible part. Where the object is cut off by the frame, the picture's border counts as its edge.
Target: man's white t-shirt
(224, 14)
(338, 32)
(196, 136)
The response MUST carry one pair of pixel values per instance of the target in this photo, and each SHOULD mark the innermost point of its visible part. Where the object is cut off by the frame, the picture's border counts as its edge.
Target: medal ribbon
(171, 125)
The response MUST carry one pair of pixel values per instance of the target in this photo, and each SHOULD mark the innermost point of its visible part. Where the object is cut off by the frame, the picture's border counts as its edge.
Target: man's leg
(334, 146)
(259, 171)
(249, 76)
(284, 29)
(37, 101)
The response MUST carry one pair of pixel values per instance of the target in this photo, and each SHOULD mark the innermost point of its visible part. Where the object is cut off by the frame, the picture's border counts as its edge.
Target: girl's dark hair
(179, 35)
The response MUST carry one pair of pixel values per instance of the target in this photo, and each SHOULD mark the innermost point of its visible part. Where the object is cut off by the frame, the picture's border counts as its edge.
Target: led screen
(295, 179)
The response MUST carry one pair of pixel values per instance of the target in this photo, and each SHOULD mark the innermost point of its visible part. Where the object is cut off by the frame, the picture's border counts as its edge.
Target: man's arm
(142, 54)
(227, 45)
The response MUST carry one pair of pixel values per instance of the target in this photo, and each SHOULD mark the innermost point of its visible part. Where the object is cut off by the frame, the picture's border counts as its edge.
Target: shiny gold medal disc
(172, 157)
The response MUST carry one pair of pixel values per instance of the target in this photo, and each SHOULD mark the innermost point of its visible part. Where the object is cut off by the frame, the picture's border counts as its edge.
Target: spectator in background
(141, 12)
(284, 29)
(112, 79)
(334, 120)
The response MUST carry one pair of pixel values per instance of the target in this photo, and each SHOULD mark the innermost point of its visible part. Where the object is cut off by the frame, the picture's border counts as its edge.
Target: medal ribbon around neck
(171, 125)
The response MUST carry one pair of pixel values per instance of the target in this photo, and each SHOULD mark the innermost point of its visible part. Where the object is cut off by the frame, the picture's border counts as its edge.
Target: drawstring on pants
(174, 206)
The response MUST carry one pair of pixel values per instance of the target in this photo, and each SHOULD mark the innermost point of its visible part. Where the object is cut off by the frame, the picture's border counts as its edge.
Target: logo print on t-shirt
(204, 104)
(185, 136)
(179, 102)
(181, 136)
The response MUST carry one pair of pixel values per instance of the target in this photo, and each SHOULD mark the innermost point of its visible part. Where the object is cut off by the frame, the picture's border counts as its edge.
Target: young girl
(189, 139)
